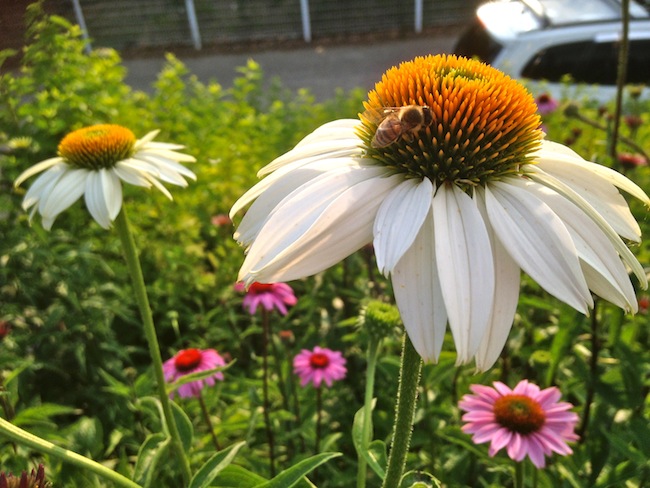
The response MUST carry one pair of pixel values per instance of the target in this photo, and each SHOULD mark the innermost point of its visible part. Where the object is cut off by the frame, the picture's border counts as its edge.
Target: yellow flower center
(464, 122)
(97, 146)
(519, 413)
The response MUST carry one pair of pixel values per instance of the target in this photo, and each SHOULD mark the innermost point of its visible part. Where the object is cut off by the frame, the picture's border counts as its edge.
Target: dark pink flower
(220, 220)
(269, 296)
(319, 365)
(546, 104)
(525, 420)
(630, 161)
(188, 361)
(34, 480)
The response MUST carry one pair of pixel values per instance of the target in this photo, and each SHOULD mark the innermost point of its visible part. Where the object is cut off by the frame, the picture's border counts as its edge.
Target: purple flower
(188, 361)
(525, 420)
(546, 104)
(319, 365)
(269, 296)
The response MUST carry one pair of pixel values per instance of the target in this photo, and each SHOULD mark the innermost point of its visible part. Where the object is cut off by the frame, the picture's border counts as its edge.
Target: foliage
(73, 364)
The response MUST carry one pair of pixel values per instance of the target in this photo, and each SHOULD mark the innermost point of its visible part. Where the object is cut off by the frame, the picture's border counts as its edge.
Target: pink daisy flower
(525, 420)
(319, 365)
(188, 361)
(269, 296)
(546, 104)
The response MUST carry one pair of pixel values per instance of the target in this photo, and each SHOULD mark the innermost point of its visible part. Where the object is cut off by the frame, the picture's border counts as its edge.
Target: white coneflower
(93, 161)
(456, 203)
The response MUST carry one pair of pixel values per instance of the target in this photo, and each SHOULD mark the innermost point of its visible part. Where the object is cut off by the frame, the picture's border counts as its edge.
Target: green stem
(265, 389)
(373, 350)
(407, 393)
(520, 474)
(133, 263)
(24, 438)
(208, 421)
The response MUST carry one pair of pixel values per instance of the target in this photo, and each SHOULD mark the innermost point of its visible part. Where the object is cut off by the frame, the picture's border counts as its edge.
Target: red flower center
(319, 360)
(260, 287)
(519, 413)
(187, 359)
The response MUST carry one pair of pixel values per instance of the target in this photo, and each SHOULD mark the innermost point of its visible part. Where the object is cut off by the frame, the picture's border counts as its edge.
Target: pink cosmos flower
(188, 361)
(525, 420)
(319, 365)
(270, 296)
(546, 104)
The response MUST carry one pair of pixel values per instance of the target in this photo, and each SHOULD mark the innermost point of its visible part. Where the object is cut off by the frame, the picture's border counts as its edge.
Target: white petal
(43, 184)
(616, 178)
(418, 294)
(549, 181)
(310, 231)
(130, 174)
(166, 171)
(273, 189)
(314, 152)
(68, 189)
(37, 168)
(165, 153)
(399, 220)
(113, 191)
(538, 241)
(465, 267)
(506, 295)
(101, 196)
(150, 136)
(595, 188)
(609, 278)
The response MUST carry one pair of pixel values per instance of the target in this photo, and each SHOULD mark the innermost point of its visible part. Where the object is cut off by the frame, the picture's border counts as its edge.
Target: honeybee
(401, 122)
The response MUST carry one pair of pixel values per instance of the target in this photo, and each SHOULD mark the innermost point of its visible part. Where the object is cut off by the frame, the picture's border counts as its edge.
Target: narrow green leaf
(208, 472)
(234, 476)
(199, 375)
(152, 450)
(289, 477)
(184, 425)
(375, 455)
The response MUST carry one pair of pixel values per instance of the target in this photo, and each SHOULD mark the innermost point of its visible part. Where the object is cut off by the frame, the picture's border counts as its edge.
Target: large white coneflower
(456, 202)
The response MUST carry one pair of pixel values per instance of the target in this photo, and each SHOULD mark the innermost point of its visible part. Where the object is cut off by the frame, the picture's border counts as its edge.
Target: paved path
(321, 69)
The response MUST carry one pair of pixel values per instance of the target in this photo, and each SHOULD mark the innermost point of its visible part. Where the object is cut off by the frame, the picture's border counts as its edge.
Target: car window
(590, 62)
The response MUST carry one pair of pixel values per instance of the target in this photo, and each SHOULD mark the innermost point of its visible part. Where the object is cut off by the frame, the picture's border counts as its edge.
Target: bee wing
(376, 115)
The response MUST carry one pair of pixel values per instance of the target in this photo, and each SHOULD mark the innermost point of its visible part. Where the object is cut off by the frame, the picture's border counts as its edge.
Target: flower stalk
(24, 438)
(373, 350)
(409, 378)
(133, 263)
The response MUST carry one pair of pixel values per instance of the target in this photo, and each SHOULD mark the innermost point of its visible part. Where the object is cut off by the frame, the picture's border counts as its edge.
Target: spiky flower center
(97, 146)
(319, 360)
(187, 359)
(519, 413)
(483, 124)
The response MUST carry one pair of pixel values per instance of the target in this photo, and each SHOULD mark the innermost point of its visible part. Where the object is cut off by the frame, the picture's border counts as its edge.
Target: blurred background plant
(73, 364)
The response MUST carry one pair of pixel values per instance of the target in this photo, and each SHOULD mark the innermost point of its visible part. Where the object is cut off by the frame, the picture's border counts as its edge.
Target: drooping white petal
(166, 172)
(68, 189)
(165, 153)
(588, 180)
(538, 241)
(418, 294)
(113, 192)
(551, 149)
(465, 267)
(306, 235)
(605, 273)
(44, 183)
(132, 175)
(37, 168)
(103, 196)
(538, 175)
(506, 295)
(166, 165)
(399, 220)
(274, 189)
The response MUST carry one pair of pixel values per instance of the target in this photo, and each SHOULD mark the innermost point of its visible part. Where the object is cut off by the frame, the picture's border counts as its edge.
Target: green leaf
(289, 477)
(234, 476)
(184, 426)
(375, 455)
(419, 479)
(41, 413)
(214, 465)
(151, 452)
